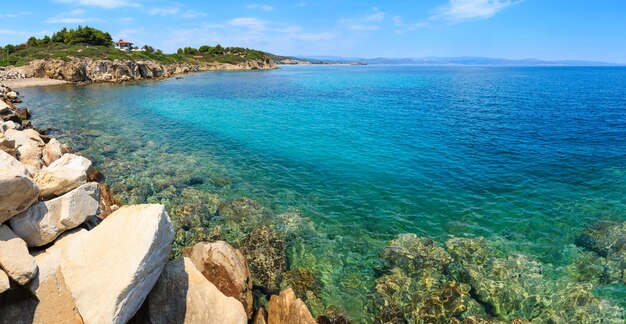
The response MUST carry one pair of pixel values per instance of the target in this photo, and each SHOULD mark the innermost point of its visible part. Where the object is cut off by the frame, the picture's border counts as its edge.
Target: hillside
(86, 42)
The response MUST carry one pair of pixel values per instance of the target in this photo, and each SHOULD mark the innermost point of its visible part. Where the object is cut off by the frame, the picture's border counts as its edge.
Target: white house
(123, 45)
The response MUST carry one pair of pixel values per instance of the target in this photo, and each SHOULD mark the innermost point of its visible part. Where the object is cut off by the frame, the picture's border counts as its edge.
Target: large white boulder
(184, 295)
(226, 268)
(17, 189)
(14, 257)
(44, 221)
(110, 270)
(62, 175)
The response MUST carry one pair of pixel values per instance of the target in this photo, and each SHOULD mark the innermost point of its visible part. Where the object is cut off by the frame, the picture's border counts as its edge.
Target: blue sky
(543, 29)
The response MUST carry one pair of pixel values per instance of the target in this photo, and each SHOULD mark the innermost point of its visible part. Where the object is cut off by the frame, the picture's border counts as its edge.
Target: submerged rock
(265, 253)
(18, 264)
(286, 308)
(608, 241)
(415, 254)
(183, 295)
(226, 268)
(17, 189)
(46, 220)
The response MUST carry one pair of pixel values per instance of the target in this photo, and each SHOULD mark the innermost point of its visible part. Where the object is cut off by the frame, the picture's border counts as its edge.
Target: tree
(190, 50)
(179, 51)
(9, 49)
(148, 49)
(83, 35)
(159, 52)
(32, 41)
(204, 49)
(46, 39)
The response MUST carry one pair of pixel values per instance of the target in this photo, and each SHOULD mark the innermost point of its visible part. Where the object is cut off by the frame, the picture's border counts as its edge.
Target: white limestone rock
(62, 175)
(44, 221)
(14, 257)
(17, 189)
(110, 270)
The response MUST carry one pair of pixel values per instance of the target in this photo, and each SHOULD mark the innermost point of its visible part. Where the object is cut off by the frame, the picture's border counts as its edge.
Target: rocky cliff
(89, 70)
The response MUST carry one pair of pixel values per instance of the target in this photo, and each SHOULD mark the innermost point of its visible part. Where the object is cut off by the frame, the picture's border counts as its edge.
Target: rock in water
(44, 221)
(286, 308)
(4, 282)
(226, 268)
(67, 173)
(184, 295)
(110, 270)
(17, 190)
(14, 257)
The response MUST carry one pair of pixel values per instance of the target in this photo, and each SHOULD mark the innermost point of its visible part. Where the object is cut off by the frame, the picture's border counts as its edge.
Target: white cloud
(192, 14)
(72, 17)
(461, 10)
(369, 22)
(262, 7)
(109, 4)
(165, 11)
(248, 22)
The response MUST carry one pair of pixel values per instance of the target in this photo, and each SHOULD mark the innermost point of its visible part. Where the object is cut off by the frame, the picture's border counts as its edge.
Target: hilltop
(87, 54)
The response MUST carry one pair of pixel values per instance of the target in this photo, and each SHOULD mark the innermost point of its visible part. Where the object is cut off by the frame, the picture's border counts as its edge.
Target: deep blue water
(529, 155)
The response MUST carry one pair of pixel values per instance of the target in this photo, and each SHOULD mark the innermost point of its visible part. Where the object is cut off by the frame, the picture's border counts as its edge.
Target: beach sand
(32, 82)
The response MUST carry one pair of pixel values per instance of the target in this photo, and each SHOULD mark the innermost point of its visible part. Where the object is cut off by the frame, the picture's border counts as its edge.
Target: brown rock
(108, 203)
(286, 309)
(183, 295)
(226, 268)
(261, 316)
(52, 151)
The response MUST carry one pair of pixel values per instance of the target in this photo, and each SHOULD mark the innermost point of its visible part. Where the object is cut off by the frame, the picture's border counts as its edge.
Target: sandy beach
(32, 82)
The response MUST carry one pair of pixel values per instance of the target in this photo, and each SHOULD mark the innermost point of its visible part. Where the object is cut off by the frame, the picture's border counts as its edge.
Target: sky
(513, 29)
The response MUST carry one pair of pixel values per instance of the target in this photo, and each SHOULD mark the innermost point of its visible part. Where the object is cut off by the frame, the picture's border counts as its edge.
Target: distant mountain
(452, 61)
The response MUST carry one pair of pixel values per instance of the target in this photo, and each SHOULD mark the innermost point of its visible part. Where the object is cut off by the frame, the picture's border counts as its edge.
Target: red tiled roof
(123, 42)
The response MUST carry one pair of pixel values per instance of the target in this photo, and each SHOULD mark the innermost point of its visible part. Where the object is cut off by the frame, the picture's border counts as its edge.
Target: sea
(523, 156)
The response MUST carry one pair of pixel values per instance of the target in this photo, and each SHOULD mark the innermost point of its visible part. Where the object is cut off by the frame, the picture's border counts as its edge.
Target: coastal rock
(63, 175)
(18, 264)
(6, 125)
(4, 282)
(29, 146)
(261, 316)
(226, 268)
(7, 145)
(265, 254)
(52, 151)
(45, 221)
(286, 309)
(113, 294)
(17, 190)
(183, 295)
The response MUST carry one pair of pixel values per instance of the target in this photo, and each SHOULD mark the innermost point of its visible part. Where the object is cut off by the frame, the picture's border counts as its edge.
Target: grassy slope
(25, 54)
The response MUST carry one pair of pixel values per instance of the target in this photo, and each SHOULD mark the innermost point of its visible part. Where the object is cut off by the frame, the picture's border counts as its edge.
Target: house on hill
(123, 45)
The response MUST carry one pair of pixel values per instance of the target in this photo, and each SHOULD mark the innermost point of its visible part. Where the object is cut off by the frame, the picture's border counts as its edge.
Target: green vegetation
(84, 42)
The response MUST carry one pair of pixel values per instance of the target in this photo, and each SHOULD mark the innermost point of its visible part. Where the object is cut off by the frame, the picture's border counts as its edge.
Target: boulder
(62, 175)
(44, 221)
(260, 316)
(7, 145)
(14, 257)
(126, 254)
(6, 125)
(226, 268)
(4, 282)
(29, 146)
(184, 295)
(17, 190)
(286, 308)
(52, 151)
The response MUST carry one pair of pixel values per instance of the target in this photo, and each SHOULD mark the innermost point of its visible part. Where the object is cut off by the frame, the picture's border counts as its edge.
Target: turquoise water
(529, 156)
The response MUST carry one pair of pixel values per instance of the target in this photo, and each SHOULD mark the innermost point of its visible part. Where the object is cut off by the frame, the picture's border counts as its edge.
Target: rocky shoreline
(69, 253)
(90, 70)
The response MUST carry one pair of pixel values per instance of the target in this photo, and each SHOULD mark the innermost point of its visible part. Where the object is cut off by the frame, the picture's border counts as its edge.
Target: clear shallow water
(525, 155)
